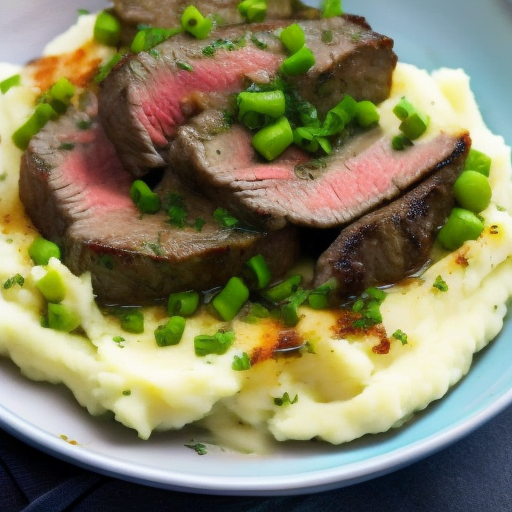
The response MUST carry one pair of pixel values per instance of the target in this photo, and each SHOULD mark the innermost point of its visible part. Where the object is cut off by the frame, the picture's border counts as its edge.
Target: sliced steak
(167, 13)
(385, 246)
(359, 174)
(148, 96)
(76, 192)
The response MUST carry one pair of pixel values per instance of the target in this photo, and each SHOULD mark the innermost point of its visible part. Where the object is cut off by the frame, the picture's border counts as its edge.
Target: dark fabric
(474, 475)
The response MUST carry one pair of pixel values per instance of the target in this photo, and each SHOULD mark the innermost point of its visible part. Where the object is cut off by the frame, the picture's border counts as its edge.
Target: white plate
(471, 34)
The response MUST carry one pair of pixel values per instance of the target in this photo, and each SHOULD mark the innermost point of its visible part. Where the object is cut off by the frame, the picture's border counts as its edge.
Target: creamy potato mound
(343, 389)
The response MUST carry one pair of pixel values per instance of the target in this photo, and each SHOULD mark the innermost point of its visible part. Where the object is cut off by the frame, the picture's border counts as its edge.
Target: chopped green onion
(259, 273)
(299, 62)
(286, 400)
(283, 290)
(107, 29)
(273, 139)
(195, 23)
(132, 321)
(472, 191)
(12, 81)
(41, 250)
(293, 38)
(331, 8)
(401, 142)
(289, 310)
(400, 336)
(256, 313)
(368, 306)
(339, 116)
(403, 109)
(219, 343)
(60, 94)
(144, 198)
(253, 11)
(182, 303)
(224, 218)
(241, 363)
(462, 225)
(42, 114)
(61, 318)
(170, 333)
(271, 103)
(415, 125)
(229, 301)
(319, 297)
(16, 279)
(52, 286)
(440, 284)
(478, 161)
(366, 114)
(107, 68)
(148, 38)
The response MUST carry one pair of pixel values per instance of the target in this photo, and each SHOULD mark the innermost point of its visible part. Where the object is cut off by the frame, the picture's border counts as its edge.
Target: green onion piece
(107, 29)
(229, 301)
(52, 286)
(195, 23)
(170, 333)
(338, 117)
(144, 198)
(224, 218)
(107, 68)
(403, 109)
(319, 297)
(42, 114)
(293, 38)
(289, 310)
(12, 81)
(256, 313)
(16, 279)
(462, 225)
(331, 8)
(132, 321)
(306, 139)
(478, 161)
(148, 38)
(400, 336)
(299, 62)
(253, 120)
(401, 142)
(182, 303)
(259, 273)
(440, 284)
(219, 343)
(366, 114)
(273, 139)
(415, 125)
(283, 290)
(61, 318)
(241, 363)
(472, 191)
(253, 11)
(271, 103)
(60, 94)
(41, 250)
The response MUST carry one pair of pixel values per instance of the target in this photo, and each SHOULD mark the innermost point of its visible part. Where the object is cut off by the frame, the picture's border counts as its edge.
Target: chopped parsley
(17, 279)
(258, 42)
(176, 209)
(440, 284)
(199, 448)
(127, 392)
(185, 66)
(224, 44)
(285, 400)
(84, 124)
(241, 363)
(400, 336)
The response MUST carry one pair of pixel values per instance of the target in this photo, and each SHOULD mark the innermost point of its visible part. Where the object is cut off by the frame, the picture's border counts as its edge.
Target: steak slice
(167, 13)
(389, 244)
(359, 174)
(76, 192)
(148, 96)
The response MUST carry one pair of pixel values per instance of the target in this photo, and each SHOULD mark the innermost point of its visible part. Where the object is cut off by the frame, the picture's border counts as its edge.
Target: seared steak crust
(387, 245)
(148, 96)
(76, 192)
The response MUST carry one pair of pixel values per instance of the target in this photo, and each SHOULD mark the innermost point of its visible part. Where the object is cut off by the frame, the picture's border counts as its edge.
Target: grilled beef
(76, 192)
(360, 174)
(148, 96)
(387, 245)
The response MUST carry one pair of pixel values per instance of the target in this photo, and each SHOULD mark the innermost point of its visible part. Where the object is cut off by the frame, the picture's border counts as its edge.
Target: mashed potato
(338, 389)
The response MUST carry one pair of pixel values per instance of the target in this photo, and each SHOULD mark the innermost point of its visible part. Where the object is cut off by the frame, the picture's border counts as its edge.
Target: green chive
(107, 29)
(41, 250)
(182, 303)
(272, 140)
(229, 301)
(170, 333)
(144, 198)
